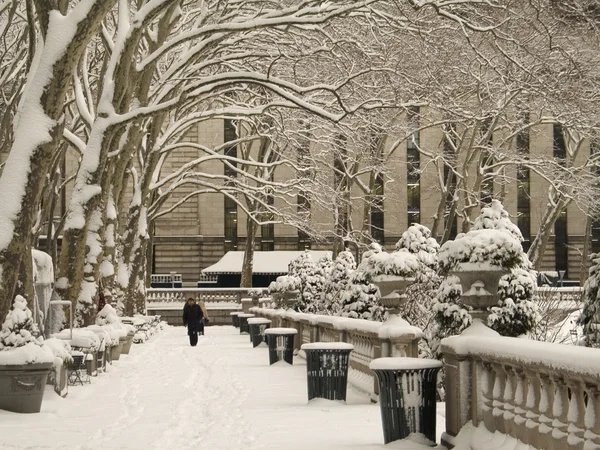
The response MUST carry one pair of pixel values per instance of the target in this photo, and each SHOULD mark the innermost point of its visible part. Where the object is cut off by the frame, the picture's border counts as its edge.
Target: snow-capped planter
(62, 358)
(285, 290)
(391, 288)
(479, 283)
(255, 294)
(24, 362)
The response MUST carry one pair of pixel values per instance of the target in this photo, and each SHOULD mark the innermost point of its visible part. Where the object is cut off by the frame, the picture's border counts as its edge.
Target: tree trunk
(251, 228)
(587, 244)
(538, 246)
(40, 110)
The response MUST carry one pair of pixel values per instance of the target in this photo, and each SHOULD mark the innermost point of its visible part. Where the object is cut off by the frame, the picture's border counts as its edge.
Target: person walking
(204, 320)
(192, 318)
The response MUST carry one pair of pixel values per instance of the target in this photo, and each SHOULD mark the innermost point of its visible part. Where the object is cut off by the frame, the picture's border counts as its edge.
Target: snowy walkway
(220, 395)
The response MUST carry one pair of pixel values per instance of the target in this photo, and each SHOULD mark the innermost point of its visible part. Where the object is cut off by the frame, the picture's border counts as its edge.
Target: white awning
(275, 262)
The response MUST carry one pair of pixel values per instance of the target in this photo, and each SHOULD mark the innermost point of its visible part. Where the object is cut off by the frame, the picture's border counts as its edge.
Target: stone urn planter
(127, 344)
(391, 290)
(479, 285)
(22, 386)
(115, 351)
(290, 298)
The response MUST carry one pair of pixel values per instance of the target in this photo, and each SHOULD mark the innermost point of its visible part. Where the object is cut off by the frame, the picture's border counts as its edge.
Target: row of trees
(120, 83)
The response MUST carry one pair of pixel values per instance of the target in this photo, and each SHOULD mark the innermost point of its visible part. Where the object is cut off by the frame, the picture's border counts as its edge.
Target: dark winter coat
(192, 315)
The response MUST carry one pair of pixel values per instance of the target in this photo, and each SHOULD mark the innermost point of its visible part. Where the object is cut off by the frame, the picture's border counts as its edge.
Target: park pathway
(221, 394)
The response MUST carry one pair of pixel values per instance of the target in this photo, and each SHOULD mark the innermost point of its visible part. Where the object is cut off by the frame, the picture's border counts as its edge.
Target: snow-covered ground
(221, 394)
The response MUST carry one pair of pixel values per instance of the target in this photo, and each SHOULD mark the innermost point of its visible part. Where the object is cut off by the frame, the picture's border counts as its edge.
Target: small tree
(337, 282)
(18, 328)
(590, 316)
(361, 299)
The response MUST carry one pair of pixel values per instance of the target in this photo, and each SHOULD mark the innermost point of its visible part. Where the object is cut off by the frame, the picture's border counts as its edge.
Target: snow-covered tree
(590, 316)
(337, 282)
(19, 328)
(311, 276)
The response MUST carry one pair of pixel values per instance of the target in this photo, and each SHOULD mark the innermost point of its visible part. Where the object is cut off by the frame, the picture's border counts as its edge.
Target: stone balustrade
(370, 339)
(165, 296)
(545, 395)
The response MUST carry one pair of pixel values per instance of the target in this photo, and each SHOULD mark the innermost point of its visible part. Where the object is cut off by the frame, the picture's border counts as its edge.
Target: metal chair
(77, 371)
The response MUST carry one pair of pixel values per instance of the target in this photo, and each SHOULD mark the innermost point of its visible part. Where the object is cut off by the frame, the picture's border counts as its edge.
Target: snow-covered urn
(255, 294)
(284, 289)
(418, 241)
(495, 275)
(590, 316)
(24, 362)
(108, 318)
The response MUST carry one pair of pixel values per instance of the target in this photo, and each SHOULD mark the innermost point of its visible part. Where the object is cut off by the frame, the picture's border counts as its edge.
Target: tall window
(267, 231)
(303, 210)
(450, 179)
(524, 187)
(487, 184)
(413, 166)
(230, 206)
(377, 218)
(594, 149)
(341, 185)
(303, 201)
(561, 238)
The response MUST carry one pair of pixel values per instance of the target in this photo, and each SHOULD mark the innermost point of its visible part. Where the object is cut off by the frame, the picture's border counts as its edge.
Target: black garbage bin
(281, 344)
(327, 369)
(235, 320)
(257, 327)
(243, 317)
(407, 388)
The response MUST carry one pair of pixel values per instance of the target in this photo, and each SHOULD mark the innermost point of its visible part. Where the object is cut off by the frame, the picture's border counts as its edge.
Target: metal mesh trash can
(327, 369)
(257, 327)
(407, 388)
(243, 318)
(281, 344)
(235, 320)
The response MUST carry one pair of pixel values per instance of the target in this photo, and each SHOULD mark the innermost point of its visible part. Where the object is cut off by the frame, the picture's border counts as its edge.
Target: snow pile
(60, 349)
(399, 263)
(495, 247)
(18, 328)
(284, 283)
(107, 316)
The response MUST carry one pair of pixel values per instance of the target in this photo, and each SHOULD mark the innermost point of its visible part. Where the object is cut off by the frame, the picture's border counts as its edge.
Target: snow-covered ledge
(370, 339)
(545, 395)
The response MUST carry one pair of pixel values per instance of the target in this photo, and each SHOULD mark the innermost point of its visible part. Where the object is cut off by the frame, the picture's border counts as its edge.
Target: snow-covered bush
(590, 315)
(311, 277)
(18, 328)
(419, 309)
(61, 350)
(418, 241)
(361, 300)
(336, 282)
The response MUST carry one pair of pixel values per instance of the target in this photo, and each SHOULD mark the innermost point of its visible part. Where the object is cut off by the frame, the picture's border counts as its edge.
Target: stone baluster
(498, 398)
(532, 408)
(520, 405)
(592, 419)
(560, 411)
(546, 407)
(576, 416)
(508, 396)
(487, 388)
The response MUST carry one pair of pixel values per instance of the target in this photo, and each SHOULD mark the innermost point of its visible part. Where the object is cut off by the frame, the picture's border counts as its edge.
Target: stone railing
(370, 339)
(162, 297)
(545, 395)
